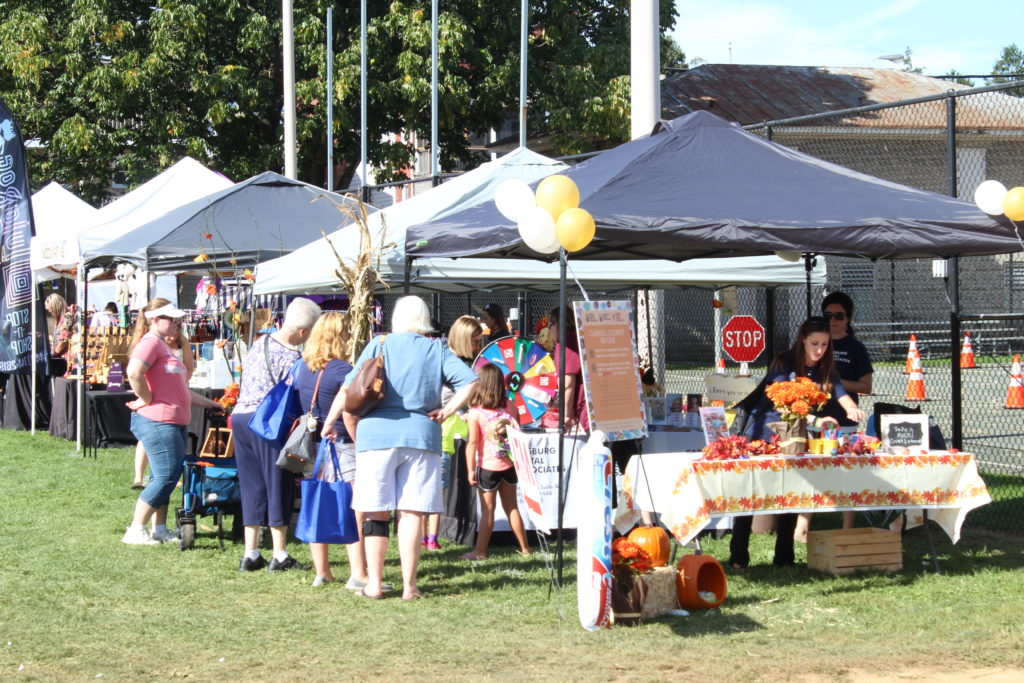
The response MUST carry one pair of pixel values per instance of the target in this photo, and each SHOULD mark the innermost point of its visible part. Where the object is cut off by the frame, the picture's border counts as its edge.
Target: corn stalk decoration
(360, 276)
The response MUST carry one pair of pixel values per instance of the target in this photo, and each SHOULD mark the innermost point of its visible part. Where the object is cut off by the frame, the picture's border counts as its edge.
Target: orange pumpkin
(655, 541)
(700, 582)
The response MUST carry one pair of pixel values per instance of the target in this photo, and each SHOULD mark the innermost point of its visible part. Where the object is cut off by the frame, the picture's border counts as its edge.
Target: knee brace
(375, 527)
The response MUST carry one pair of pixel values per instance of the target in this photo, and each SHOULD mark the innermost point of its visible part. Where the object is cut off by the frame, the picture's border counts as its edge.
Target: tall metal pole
(562, 319)
(330, 99)
(288, 42)
(954, 285)
(524, 21)
(435, 152)
(35, 363)
(362, 98)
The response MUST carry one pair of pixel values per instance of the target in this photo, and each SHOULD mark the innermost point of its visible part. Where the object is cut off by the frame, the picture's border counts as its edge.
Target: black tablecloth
(110, 423)
(16, 412)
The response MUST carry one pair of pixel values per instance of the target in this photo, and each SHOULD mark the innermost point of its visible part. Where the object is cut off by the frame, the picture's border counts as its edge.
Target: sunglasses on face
(837, 316)
(166, 317)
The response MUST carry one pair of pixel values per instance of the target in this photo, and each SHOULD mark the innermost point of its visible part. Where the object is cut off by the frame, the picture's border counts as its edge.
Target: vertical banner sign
(611, 376)
(16, 233)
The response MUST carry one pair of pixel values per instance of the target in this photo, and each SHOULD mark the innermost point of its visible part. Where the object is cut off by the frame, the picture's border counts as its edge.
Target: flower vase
(627, 606)
(792, 436)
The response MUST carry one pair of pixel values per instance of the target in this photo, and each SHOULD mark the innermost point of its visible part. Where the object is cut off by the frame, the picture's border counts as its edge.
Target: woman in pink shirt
(160, 417)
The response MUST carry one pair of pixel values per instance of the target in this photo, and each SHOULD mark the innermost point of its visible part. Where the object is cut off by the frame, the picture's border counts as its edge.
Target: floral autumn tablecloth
(688, 492)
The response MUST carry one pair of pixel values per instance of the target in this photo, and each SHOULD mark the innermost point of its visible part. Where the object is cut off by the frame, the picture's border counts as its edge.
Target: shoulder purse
(369, 386)
(273, 416)
(299, 451)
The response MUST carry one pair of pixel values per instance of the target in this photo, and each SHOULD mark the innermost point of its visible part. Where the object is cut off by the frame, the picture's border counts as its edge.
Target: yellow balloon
(556, 193)
(1013, 204)
(575, 229)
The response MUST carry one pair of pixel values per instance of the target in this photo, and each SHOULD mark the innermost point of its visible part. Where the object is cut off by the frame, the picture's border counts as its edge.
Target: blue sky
(943, 34)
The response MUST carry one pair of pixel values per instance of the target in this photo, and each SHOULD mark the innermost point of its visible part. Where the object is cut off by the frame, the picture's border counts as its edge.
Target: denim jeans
(165, 445)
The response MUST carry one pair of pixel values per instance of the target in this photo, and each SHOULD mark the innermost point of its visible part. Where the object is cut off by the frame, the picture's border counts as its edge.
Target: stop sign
(743, 338)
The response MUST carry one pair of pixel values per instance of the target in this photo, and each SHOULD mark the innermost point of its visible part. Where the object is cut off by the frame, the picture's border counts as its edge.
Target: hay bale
(662, 597)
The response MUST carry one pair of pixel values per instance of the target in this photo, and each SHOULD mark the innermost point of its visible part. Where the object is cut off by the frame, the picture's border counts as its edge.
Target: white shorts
(398, 479)
(346, 460)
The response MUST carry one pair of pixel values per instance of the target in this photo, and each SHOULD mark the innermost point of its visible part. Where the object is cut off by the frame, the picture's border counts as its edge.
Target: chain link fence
(946, 144)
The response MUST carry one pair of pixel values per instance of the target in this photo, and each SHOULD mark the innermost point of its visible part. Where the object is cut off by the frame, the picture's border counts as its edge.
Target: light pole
(288, 44)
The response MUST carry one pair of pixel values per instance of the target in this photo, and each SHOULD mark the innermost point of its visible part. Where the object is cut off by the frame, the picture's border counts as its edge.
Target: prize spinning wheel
(531, 381)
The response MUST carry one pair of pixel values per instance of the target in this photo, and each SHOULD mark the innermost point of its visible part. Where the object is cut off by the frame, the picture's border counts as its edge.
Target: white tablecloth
(688, 492)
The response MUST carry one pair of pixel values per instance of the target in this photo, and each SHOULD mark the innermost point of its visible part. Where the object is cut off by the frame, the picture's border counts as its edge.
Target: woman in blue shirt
(398, 444)
(810, 356)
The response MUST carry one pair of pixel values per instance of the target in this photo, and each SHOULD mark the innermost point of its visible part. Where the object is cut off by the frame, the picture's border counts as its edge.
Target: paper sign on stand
(541, 451)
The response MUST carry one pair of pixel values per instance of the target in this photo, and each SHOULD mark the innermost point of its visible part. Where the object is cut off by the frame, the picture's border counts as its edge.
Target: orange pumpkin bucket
(655, 541)
(700, 582)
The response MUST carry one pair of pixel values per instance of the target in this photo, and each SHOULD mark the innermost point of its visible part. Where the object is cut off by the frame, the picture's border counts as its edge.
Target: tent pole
(407, 276)
(81, 295)
(524, 20)
(808, 266)
(435, 152)
(330, 98)
(35, 370)
(954, 284)
(561, 408)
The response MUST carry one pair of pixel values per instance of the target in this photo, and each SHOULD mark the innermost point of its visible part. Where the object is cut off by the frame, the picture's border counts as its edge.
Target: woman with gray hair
(268, 492)
(398, 444)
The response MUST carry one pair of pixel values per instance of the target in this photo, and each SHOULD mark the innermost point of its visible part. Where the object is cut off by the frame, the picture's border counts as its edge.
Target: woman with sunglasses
(853, 363)
(810, 356)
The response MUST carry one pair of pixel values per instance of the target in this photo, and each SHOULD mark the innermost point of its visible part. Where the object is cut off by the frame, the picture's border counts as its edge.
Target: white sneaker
(138, 537)
(164, 536)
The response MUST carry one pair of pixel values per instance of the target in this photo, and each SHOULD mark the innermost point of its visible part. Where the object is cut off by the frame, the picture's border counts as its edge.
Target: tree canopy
(119, 88)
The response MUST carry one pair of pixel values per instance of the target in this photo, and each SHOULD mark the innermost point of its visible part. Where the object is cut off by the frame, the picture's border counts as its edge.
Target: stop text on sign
(743, 338)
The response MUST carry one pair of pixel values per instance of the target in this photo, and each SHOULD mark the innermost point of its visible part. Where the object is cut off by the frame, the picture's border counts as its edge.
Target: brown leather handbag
(369, 386)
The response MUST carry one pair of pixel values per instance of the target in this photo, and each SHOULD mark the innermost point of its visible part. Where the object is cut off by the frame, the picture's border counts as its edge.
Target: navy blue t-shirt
(852, 361)
(764, 412)
(334, 375)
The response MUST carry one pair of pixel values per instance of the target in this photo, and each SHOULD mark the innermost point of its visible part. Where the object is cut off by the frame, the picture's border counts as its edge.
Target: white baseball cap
(166, 311)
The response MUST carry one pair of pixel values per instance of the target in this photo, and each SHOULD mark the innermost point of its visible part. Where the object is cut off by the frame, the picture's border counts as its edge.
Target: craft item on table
(656, 410)
(714, 423)
(693, 405)
(115, 377)
(675, 416)
(531, 381)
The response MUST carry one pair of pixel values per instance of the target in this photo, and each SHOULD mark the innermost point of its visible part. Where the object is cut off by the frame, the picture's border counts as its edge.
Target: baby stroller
(209, 487)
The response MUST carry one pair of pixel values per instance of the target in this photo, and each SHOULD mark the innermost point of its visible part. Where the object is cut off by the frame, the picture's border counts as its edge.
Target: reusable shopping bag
(326, 515)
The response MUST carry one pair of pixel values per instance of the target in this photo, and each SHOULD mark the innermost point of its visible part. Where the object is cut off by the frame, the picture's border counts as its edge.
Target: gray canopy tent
(698, 186)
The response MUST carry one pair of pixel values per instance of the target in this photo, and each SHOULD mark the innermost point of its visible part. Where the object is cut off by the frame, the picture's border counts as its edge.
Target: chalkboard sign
(905, 431)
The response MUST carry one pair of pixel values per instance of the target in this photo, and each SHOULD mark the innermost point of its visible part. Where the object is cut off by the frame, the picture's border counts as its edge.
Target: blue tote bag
(326, 515)
(277, 411)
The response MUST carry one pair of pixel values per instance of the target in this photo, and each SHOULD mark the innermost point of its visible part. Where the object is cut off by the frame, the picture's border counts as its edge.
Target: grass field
(77, 604)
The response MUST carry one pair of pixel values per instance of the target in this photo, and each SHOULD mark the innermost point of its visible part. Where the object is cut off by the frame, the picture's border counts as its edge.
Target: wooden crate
(219, 443)
(842, 551)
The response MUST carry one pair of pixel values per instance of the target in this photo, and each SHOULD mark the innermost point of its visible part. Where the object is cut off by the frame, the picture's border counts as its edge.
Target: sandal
(416, 596)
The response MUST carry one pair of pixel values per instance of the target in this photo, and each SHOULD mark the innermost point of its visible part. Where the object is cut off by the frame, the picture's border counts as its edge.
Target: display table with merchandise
(687, 490)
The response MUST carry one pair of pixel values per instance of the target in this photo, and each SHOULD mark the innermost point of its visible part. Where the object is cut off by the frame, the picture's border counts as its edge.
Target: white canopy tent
(311, 268)
(183, 182)
(59, 216)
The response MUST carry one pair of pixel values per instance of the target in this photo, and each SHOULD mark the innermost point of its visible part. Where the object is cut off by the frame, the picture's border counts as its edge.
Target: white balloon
(989, 197)
(514, 198)
(791, 256)
(537, 228)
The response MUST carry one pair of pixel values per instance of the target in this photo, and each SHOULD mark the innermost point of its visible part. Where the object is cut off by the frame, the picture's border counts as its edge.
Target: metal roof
(751, 93)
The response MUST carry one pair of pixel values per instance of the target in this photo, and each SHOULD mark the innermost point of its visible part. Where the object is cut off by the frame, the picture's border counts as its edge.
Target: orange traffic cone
(967, 353)
(1015, 395)
(915, 385)
(720, 368)
(911, 352)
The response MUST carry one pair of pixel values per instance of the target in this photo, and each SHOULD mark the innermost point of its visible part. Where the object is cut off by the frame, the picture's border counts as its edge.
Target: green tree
(1011, 65)
(957, 77)
(120, 87)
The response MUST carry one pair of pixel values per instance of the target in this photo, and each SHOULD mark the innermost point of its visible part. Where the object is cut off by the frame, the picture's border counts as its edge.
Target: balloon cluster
(549, 218)
(993, 198)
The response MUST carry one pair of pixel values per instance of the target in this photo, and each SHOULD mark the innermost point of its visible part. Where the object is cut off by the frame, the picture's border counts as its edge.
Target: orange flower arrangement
(628, 562)
(230, 398)
(796, 398)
